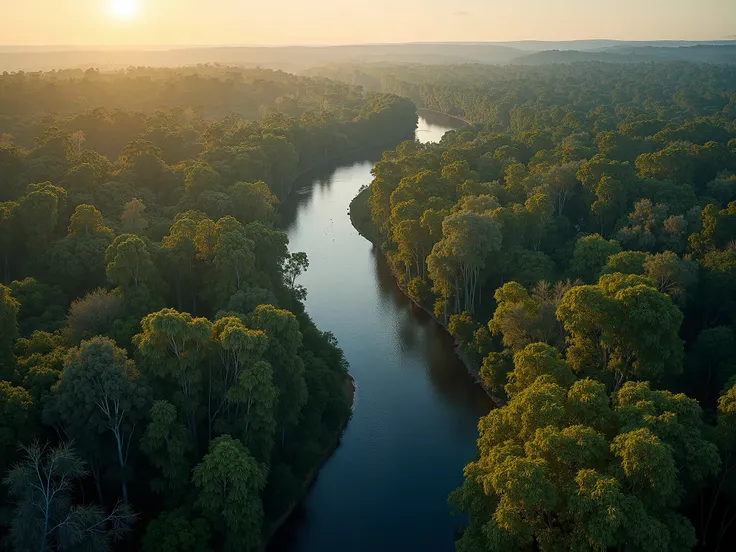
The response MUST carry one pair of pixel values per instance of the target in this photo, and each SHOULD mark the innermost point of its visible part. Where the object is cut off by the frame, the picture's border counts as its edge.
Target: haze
(322, 22)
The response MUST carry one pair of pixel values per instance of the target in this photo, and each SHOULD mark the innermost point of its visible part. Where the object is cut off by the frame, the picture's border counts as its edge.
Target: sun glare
(124, 9)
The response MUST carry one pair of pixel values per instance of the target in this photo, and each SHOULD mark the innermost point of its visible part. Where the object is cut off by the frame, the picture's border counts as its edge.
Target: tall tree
(229, 481)
(42, 489)
(99, 391)
(172, 345)
(623, 325)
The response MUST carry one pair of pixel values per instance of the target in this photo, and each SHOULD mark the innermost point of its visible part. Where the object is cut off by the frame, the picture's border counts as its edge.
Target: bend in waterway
(416, 408)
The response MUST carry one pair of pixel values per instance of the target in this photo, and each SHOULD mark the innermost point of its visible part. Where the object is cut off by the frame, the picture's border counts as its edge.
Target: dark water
(416, 408)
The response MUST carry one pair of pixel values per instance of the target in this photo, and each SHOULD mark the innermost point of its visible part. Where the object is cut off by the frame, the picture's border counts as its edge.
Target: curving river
(416, 408)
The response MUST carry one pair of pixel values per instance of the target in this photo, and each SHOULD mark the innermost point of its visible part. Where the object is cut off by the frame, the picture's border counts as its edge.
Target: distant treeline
(299, 58)
(525, 98)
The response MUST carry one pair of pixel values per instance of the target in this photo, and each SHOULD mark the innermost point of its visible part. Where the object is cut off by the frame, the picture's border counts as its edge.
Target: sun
(123, 9)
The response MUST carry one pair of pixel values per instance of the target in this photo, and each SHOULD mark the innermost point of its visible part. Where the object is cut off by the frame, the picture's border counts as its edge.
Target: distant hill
(298, 58)
(290, 58)
(701, 53)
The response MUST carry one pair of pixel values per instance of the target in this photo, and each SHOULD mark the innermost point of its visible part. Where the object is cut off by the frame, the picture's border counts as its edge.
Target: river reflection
(416, 411)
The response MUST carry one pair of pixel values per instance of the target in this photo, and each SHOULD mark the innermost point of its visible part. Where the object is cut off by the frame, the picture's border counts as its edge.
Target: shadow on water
(416, 411)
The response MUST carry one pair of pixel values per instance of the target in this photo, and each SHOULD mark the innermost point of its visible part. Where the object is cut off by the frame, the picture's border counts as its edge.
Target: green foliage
(41, 486)
(167, 445)
(560, 467)
(591, 255)
(99, 400)
(100, 245)
(229, 480)
(176, 531)
(9, 308)
(16, 417)
(41, 306)
(462, 327)
(623, 325)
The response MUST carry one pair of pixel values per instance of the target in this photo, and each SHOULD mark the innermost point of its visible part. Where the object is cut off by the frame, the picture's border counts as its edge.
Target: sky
(321, 22)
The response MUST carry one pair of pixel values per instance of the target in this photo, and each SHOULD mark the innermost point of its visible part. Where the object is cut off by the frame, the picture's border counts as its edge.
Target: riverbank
(360, 217)
(311, 478)
(349, 388)
(336, 159)
(421, 110)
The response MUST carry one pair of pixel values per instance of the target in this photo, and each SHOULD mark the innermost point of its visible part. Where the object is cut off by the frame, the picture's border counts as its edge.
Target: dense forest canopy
(578, 240)
(157, 367)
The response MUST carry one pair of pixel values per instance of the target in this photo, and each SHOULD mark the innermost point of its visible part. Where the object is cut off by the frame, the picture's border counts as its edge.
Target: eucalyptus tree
(42, 489)
(172, 346)
(98, 394)
(228, 482)
(622, 325)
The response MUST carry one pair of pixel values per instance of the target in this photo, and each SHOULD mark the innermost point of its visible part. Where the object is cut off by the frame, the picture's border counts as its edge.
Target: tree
(722, 496)
(522, 318)
(296, 265)
(86, 220)
(534, 361)
(590, 256)
(238, 352)
(229, 481)
(16, 420)
(129, 264)
(233, 254)
(610, 204)
(561, 468)
(626, 262)
(171, 345)
(284, 342)
(94, 314)
(645, 229)
(42, 489)
(38, 214)
(133, 218)
(99, 392)
(623, 325)
(41, 306)
(253, 202)
(9, 308)
(462, 327)
(8, 236)
(77, 262)
(185, 257)
(710, 364)
(167, 445)
(671, 274)
(176, 531)
(468, 239)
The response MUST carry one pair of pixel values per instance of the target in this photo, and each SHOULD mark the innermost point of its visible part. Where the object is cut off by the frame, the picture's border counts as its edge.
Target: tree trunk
(98, 484)
(121, 460)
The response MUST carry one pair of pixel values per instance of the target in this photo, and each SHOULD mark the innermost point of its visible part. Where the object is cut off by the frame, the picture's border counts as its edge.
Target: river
(416, 408)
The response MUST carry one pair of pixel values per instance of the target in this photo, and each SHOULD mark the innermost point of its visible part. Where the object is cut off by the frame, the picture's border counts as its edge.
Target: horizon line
(83, 46)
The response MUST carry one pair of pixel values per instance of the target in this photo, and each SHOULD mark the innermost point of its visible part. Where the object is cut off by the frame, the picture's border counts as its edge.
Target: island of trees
(579, 241)
(161, 386)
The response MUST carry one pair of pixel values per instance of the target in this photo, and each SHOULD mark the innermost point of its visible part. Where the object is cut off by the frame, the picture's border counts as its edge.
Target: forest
(161, 385)
(578, 238)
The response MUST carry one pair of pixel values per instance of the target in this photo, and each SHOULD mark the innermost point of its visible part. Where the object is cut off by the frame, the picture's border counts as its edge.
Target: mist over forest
(298, 58)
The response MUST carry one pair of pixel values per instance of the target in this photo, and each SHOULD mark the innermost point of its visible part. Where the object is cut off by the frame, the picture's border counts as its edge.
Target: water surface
(416, 408)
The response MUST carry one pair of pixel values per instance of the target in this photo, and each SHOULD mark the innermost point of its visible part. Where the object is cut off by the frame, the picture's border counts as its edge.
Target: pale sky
(313, 22)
